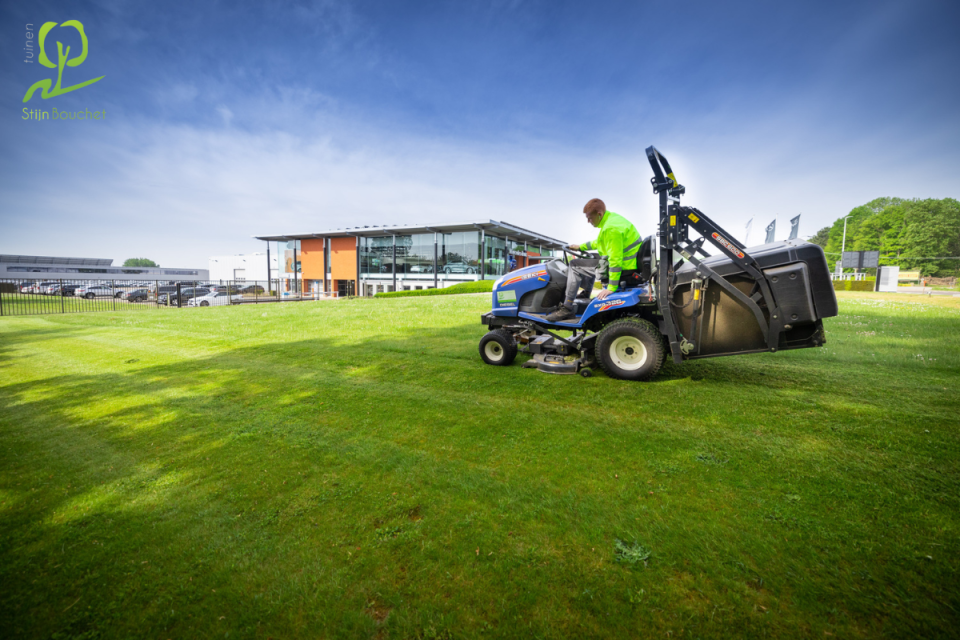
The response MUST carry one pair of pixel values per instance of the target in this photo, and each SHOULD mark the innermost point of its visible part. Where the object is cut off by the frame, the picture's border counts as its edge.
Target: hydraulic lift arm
(673, 236)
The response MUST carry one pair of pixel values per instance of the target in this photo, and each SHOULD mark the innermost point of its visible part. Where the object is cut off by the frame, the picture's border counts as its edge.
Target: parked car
(215, 299)
(188, 293)
(69, 289)
(97, 291)
(421, 268)
(137, 295)
(229, 288)
(458, 267)
(252, 288)
(41, 287)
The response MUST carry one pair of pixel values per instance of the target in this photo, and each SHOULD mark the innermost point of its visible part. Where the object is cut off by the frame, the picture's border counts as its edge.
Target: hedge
(854, 285)
(479, 286)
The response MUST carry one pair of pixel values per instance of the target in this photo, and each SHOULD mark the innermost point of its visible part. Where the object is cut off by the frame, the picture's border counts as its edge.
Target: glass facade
(288, 254)
(516, 248)
(495, 261)
(417, 255)
(460, 256)
(285, 251)
(376, 257)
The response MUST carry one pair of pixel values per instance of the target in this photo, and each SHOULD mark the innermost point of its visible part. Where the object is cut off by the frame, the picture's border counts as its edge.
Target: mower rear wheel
(498, 348)
(630, 349)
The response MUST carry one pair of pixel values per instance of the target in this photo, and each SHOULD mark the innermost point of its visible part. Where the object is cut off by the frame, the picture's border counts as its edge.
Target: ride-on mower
(681, 301)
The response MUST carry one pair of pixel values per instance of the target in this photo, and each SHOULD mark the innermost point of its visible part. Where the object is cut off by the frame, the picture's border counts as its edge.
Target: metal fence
(37, 297)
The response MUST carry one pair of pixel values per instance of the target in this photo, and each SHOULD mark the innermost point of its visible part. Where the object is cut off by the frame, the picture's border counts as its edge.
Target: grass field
(352, 470)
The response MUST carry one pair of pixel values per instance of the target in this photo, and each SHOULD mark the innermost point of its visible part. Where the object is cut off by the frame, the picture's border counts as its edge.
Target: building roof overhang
(503, 229)
(97, 262)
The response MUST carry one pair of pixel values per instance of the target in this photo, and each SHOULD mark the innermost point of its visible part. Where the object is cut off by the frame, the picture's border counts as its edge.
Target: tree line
(140, 262)
(907, 233)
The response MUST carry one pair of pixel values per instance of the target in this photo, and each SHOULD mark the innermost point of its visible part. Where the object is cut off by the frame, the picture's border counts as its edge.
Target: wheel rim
(628, 353)
(493, 350)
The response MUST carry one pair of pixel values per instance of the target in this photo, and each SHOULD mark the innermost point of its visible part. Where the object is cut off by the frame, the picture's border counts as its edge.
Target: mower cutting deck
(765, 298)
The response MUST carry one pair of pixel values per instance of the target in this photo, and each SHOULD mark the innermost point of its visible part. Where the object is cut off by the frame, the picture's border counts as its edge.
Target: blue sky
(230, 119)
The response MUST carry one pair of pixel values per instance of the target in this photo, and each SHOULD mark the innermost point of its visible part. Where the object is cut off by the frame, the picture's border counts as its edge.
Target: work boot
(563, 313)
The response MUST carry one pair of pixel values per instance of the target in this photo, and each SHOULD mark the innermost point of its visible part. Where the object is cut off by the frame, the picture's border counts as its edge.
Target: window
(418, 255)
(376, 256)
(459, 257)
(496, 258)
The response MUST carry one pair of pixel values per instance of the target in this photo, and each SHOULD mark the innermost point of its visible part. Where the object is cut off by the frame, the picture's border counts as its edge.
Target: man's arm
(614, 243)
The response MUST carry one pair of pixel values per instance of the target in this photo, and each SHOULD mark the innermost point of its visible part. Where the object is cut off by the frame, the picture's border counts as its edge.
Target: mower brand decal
(729, 245)
(612, 303)
(526, 276)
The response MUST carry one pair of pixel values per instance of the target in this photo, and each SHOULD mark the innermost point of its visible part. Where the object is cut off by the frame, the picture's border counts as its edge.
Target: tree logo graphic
(63, 60)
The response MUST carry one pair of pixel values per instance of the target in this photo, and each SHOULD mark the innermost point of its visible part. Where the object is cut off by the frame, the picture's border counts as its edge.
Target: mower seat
(641, 276)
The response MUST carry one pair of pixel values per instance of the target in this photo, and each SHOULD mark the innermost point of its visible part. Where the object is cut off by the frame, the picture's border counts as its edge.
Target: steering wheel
(576, 254)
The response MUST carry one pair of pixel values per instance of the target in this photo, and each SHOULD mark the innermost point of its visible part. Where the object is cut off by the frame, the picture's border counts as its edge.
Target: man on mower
(618, 241)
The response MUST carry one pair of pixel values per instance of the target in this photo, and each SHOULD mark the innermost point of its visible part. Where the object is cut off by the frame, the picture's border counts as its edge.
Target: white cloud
(180, 193)
(225, 114)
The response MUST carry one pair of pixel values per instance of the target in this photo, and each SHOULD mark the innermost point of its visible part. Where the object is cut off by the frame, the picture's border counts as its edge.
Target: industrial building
(250, 267)
(53, 268)
(371, 259)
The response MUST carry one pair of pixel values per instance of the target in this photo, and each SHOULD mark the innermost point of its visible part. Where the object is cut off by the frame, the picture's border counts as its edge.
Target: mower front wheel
(498, 348)
(630, 349)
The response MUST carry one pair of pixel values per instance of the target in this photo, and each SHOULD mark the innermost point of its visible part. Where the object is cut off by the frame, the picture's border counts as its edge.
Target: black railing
(23, 297)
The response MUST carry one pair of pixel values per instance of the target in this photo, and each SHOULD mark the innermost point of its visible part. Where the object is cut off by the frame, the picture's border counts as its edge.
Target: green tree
(881, 232)
(139, 262)
(820, 237)
(931, 229)
(856, 217)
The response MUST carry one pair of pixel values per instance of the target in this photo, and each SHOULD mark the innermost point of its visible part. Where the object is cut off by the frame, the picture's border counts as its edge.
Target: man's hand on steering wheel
(603, 294)
(573, 247)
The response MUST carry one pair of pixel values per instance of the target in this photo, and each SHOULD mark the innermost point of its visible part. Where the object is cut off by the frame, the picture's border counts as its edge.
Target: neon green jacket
(619, 241)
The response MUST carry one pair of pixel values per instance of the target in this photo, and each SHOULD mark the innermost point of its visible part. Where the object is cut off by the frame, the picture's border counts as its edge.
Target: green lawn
(351, 469)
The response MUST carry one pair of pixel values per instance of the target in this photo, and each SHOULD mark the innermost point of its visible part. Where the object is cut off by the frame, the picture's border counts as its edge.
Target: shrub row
(480, 286)
(854, 285)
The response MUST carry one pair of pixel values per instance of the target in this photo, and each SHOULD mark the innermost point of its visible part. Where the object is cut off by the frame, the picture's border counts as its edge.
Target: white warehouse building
(57, 268)
(248, 267)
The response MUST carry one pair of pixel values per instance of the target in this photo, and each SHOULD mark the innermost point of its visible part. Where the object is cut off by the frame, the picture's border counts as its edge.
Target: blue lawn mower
(680, 302)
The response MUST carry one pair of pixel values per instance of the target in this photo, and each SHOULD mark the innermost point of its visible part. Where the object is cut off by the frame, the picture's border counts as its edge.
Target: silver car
(215, 299)
(98, 291)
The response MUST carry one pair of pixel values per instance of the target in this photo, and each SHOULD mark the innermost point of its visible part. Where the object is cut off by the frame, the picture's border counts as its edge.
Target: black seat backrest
(645, 258)
(644, 266)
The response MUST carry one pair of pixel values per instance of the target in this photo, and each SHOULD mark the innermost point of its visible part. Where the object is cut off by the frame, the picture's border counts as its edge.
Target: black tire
(204, 304)
(89, 296)
(498, 348)
(118, 295)
(586, 373)
(630, 349)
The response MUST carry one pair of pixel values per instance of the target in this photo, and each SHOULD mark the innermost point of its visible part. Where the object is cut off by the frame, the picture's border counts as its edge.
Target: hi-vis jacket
(619, 241)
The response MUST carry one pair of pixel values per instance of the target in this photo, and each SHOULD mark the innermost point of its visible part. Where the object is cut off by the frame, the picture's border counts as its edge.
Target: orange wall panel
(343, 258)
(311, 259)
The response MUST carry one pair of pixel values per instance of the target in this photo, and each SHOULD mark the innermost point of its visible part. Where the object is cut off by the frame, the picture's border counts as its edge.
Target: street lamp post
(843, 245)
